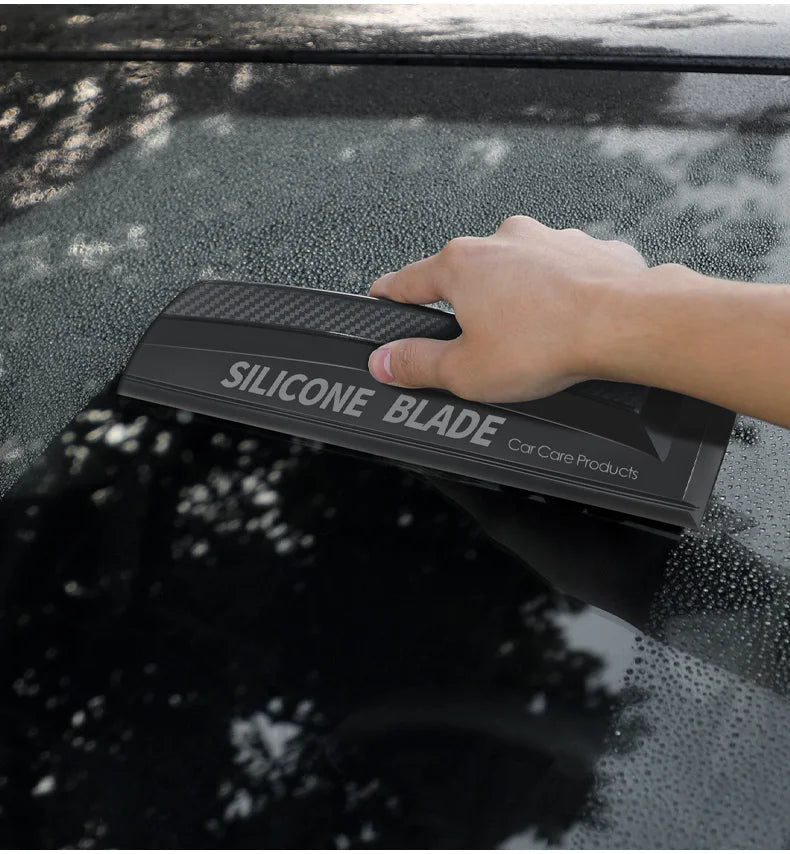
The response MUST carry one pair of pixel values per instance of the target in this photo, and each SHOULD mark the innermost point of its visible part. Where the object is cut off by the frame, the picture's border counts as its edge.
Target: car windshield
(216, 635)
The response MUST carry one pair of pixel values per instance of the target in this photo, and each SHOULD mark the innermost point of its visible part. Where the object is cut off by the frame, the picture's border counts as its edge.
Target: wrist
(632, 322)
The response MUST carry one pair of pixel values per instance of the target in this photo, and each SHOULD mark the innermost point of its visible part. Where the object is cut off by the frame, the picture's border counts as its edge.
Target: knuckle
(455, 378)
(626, 251)
(405, 361)
(460, 386)
(457, 374)
(672, 268)
(519, 221)
(446, 372)
(460, 248)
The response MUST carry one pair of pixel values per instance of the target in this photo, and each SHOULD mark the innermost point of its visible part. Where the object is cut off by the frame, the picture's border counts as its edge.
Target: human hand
(527, 299)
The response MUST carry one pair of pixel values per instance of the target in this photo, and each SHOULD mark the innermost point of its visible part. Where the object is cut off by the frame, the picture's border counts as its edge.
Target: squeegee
(294, 360)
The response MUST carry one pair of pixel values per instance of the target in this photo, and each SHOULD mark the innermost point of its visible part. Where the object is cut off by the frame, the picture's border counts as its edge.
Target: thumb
(411, 362)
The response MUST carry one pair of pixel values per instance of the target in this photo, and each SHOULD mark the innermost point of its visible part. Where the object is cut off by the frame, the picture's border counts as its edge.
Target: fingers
(421, 282)
(411, 362)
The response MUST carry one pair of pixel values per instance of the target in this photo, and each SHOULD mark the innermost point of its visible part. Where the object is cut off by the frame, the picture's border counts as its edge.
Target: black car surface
(215, 636)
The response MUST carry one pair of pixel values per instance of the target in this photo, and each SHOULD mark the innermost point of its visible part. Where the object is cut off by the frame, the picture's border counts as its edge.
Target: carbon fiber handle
(309, 309)
(364, 318)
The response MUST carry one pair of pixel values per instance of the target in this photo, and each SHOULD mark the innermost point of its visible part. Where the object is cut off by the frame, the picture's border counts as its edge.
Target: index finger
(421, 282)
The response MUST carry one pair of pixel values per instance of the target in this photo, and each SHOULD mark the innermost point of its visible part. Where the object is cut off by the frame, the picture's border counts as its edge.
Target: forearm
(725, 342)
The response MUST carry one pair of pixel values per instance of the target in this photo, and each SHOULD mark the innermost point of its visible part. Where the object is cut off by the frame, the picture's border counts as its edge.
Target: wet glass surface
(245, 638)
(217, 636)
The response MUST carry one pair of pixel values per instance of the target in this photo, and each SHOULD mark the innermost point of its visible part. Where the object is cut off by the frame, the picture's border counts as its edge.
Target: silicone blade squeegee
(294, 360)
